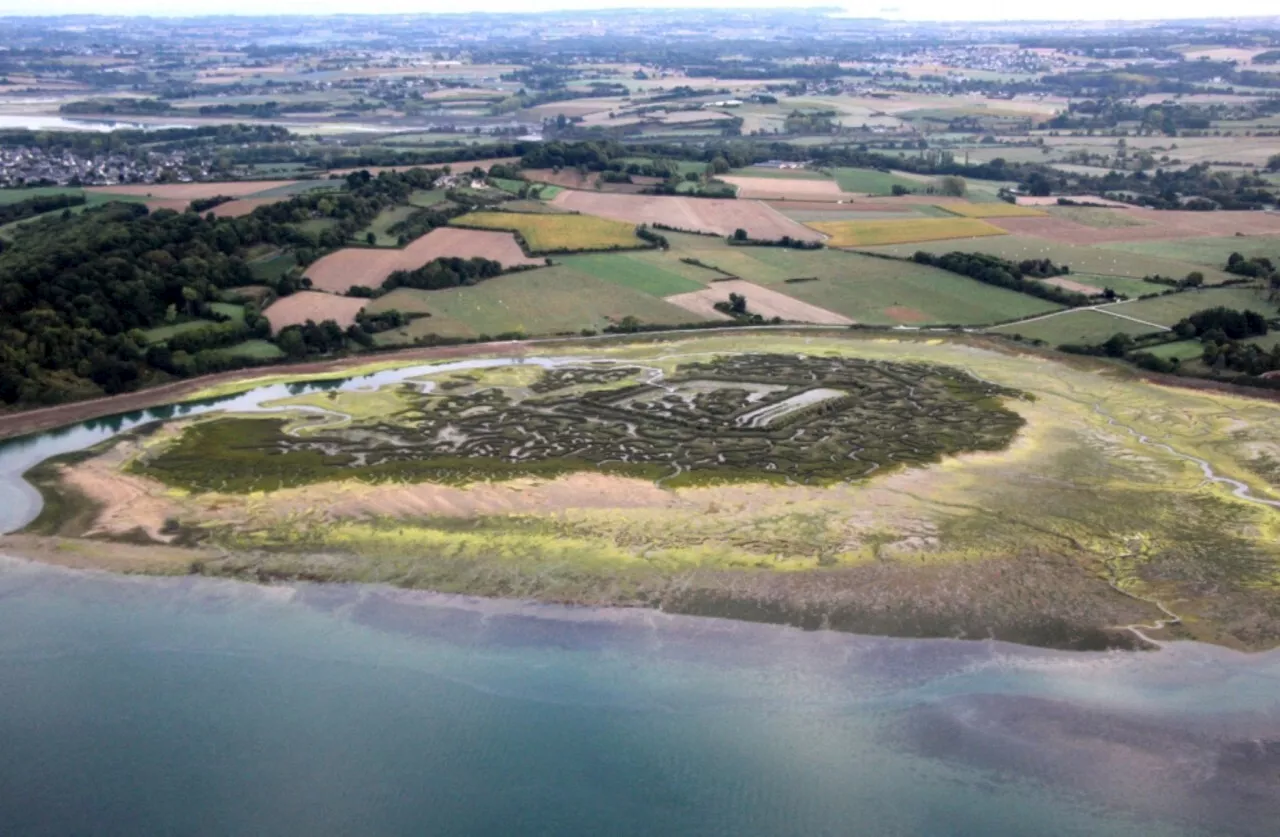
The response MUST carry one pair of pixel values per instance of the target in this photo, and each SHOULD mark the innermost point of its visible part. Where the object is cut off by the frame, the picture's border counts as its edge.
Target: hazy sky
(896, 9)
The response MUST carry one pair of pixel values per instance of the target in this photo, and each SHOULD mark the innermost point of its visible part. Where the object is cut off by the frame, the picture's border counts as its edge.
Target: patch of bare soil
(126, 502)
(785, 188)
(1072, 285)
(714, 215)
(903, 314)
(297, 308)
(339, 271)
(764, 301)
(191, 191)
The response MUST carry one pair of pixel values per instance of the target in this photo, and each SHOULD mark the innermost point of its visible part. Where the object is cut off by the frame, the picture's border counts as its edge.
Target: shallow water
(193, 706)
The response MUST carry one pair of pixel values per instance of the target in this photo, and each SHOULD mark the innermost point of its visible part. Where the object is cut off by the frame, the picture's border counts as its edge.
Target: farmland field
(1082, 327)
(299, 307)
(535, 302)
(555, 233)
(252, 350)
(768, 302)
(893, 231)
(1211, 251)
(634, 272)
(997, 209)
(718, 216)
(782, 188)
(1168, 310)
(1081, 259)
(872, 182)
(159, 333)
(1094, 216)
(380, 225)
(343, 269)
(1182, 350)
(191, 191)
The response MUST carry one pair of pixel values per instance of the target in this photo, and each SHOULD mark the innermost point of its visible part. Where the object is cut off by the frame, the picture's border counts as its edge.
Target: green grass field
(1127, 285)
(555, 233)
(159, 333)
(1168, 310)
(8, 196)
(1205, 251)
(251, 350)
(879, 291)
(873, 182)
(1182, 350)
(229, 309)
(544, 301)
(632, 272)
(1079, 327)
(1093, 260)
(427, 197)
(297, 188)
(380, 225)
(273, 266)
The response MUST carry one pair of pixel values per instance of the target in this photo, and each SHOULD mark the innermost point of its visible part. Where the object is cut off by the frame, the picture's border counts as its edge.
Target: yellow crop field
(998, 209)
(905, 231)
(557, 233)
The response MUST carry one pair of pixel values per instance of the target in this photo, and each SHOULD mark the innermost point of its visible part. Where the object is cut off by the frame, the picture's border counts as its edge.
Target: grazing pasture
(341, 270)
(1209, 251)
(535, 302)
(1092, 260)
(299, 307)
(633, 271)
(883, 292)
(893, 231)
(712, 215)
(872, 182)
(1169, 309)
(1080, 327)
(558, 233)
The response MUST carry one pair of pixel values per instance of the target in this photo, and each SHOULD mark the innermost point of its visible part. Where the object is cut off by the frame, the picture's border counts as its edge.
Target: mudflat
(917, 487)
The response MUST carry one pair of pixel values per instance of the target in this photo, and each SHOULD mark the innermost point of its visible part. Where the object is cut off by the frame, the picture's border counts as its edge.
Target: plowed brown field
(297, 308)
(717, 216)
(191, 191)
(340, 271)
(785, 188)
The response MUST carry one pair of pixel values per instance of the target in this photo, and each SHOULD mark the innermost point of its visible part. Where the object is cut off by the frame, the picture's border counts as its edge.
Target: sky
(892, 9)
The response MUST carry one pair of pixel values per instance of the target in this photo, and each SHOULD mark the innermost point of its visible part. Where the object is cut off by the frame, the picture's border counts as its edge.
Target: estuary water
(140, 706)
(198, 706)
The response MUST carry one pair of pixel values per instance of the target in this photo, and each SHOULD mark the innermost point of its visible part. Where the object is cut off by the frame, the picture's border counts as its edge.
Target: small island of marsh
(747, 417)
(906, 486)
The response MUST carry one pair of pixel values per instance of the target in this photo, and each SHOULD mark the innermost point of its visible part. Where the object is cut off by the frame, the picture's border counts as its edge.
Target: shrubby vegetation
(1003, 273)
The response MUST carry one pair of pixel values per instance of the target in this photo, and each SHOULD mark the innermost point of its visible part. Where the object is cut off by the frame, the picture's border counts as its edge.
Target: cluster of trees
(1258, 267)
(1003, 273)
(446, 272)
(75, 291)
(205, 204)
(1219, 324)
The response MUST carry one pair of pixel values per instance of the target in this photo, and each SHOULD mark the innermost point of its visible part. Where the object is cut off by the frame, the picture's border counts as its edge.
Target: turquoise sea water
(197, 706)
